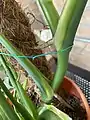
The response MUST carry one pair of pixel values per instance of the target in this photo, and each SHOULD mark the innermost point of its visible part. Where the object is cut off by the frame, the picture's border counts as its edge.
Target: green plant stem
(38, 77)
(50, 13)
(65, 34)
(18, 106)
(6, 108)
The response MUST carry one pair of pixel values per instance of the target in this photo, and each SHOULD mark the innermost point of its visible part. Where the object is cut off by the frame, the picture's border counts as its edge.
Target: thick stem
(62, 65)
(65, 34)
(50, 13)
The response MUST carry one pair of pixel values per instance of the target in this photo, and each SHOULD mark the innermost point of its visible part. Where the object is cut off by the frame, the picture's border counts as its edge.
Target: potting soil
(15, 25)
(67, 103)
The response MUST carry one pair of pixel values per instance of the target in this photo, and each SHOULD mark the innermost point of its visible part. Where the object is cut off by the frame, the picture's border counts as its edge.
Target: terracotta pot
(72, 88)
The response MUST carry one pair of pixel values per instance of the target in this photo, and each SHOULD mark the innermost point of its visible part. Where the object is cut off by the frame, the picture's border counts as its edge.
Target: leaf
(20, 108)
(2, 115)
(1, 68)
(50, 13)
(25, 100)
(7, 83)
(49, 112)
(46, 90)
(25, 84)
(6, 108)
(20, 91)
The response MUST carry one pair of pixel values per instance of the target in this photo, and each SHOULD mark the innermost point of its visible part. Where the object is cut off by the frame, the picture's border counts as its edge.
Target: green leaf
(3, 116)
(7, 83)
(26, 101)
(8, 71)
(50, 13)
(6, 108)
(37, 76)
(25, 84)
(49, 112)
(1, 68)
(21, 93)
(18, 106)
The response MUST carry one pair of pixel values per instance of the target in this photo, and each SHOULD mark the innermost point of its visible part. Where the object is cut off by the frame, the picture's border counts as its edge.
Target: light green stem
(50, 13)
(65, 34)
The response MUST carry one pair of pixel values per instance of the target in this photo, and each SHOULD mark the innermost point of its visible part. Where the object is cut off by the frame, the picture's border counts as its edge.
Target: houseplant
(63, 41)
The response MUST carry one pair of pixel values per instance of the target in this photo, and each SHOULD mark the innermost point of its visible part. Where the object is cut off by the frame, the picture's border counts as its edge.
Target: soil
(15, 25)
(76, 113)
(33, 93)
